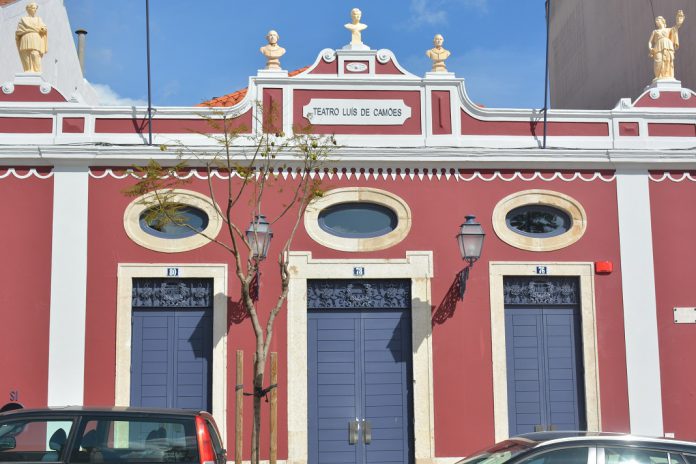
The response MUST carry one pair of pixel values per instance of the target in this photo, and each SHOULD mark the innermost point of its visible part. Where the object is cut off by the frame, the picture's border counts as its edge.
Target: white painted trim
(68, 311)
(639, 303)
(417, 266)
(585, 272)
(124, 311)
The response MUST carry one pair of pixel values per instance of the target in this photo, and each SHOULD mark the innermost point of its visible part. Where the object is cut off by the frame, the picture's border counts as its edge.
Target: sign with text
(336, 112)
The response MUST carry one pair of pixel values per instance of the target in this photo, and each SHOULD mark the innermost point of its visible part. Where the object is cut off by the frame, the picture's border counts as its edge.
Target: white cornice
(375, 158)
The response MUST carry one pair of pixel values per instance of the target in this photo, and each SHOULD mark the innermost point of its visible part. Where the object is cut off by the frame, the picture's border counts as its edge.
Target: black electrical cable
(546, 72)
(149, 87)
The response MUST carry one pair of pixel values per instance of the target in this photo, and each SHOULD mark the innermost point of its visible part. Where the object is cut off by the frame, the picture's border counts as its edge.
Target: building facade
(578, 315)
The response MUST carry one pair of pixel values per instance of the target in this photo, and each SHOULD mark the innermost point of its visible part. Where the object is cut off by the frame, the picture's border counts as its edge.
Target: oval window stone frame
(131, 223)
(565, 203)
(358, 195)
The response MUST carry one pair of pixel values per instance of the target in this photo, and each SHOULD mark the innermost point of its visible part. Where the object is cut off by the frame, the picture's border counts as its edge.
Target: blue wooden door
(544, 365)
(359, 385)
(171, 351)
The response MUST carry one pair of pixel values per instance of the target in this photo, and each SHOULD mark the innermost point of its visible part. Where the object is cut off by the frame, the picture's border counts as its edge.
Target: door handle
(367, 432)
(353, 432)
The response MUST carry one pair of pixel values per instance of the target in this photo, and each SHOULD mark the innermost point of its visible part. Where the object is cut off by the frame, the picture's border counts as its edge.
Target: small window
(197, 213)
(538, 221)
(187, 223)
(358, 220)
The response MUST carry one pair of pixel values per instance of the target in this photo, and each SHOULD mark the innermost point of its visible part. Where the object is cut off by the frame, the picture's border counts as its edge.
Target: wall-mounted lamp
(259, 236)
(470, 240)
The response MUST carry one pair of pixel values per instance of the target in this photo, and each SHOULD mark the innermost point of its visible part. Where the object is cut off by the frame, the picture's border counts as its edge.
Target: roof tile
(233, 98)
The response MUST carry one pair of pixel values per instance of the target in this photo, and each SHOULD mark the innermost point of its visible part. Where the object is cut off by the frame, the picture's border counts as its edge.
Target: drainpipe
(81, 37)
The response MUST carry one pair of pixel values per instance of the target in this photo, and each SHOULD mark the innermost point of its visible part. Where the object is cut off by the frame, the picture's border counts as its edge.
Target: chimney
(81, 37)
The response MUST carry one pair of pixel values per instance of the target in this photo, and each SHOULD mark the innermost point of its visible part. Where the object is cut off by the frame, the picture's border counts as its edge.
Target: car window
(676, 459)
(574, 455)
(31, 440)
(217, 446)
(499, 453)
(137, 440)
(619, 455)
(690, 458)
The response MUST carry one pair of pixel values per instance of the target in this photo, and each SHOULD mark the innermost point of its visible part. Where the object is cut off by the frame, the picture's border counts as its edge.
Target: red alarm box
(603, 267)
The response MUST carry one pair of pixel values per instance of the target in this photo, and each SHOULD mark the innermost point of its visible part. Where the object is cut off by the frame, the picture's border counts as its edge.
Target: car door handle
(353, 432)
(367, 432)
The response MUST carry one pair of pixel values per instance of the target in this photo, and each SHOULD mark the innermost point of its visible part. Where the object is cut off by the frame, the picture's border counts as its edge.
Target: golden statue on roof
(663, 44)
(32, 39)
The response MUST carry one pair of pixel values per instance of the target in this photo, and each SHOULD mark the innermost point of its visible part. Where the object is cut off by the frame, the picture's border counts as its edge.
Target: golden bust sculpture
(272, 51)
(438, 54)
(663, 44)
(32, 39)
(356, 27)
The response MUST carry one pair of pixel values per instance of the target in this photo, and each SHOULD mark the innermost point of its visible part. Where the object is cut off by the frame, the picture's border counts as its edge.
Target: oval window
(187, 223)
(358, 220)
(538, 221)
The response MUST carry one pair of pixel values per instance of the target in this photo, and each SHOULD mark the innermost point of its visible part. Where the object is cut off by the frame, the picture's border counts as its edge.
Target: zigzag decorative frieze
(415, 174)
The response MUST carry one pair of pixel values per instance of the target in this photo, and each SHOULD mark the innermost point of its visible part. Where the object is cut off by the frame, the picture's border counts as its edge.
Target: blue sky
(206, 48)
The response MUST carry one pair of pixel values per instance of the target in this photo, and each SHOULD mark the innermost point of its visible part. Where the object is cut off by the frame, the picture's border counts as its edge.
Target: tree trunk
(259, 364)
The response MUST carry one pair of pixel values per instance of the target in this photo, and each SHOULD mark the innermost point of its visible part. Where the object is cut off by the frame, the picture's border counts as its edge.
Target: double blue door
(171, 345)
(544, 368)
(359, 382)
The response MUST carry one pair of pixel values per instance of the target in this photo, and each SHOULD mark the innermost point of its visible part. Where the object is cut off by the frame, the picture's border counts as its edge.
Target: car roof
(90, 410)
(553, 438)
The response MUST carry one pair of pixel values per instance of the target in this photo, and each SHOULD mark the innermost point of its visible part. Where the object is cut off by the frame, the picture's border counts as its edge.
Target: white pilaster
(66, 358)
(640, 307)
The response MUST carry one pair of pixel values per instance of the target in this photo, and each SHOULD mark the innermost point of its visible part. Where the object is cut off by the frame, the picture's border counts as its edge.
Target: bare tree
(250, 165)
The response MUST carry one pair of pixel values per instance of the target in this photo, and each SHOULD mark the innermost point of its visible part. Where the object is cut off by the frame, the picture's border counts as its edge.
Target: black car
(585, 448)
(118, 435)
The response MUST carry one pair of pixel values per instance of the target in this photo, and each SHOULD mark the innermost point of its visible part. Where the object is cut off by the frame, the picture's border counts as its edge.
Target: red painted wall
(26, 287)
(461, 331)
(109, 245)
(674, 253)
